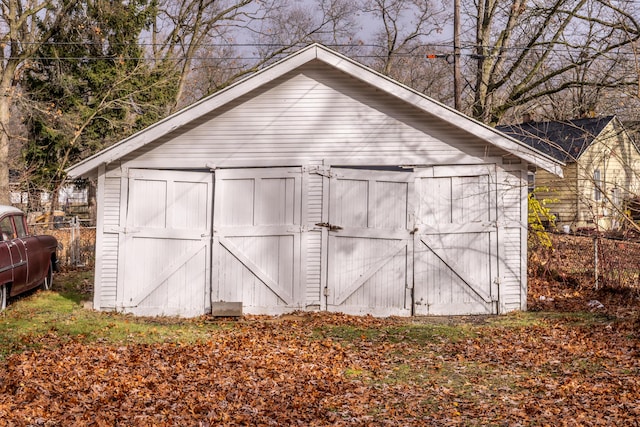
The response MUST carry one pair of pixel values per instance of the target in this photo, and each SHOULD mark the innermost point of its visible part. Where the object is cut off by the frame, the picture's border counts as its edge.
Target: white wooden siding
(512, 292)
(109, 243)
(311, 115)
(313, 234)
(513, 205)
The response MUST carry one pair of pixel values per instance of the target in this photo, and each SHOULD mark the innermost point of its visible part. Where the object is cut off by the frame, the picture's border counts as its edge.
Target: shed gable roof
(315, 52)
(565, 141)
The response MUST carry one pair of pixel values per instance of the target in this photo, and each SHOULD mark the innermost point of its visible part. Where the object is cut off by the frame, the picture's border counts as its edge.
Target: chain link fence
(76, 242)
(588, 261)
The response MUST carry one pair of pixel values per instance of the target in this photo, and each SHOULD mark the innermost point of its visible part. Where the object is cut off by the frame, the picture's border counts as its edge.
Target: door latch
(331, 227)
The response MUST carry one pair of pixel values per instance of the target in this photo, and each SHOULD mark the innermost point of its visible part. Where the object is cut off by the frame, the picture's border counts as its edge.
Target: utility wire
(446, 56)
(446, 49)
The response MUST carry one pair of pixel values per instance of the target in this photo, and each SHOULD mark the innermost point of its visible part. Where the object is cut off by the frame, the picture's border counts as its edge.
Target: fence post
(75, 241)
(595, 260)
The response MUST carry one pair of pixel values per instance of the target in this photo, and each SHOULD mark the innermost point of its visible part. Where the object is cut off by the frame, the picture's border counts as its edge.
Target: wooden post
(457, 76)
(595, 260)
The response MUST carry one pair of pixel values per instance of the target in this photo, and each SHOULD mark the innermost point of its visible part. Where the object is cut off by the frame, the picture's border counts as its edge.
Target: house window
(616, 197)
(531, 181)
(597, 183)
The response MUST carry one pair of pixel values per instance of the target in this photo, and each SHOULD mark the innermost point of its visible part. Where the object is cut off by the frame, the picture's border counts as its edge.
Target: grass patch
(518, 319)
(47, 319)
(348, 333)
(75, 285)
(423, 333)
(417, 333)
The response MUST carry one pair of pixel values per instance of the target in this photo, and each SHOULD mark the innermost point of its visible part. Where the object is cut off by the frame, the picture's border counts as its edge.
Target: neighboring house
(69, 194)
(602, 163)
(314, 184)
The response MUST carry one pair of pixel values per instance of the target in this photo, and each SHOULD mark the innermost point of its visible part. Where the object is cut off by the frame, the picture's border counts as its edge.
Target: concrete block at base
(226, 309)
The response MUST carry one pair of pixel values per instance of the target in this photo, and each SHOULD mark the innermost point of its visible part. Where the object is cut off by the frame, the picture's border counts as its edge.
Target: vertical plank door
(166, 243)
(369, 242)
(257, 227)
(455, 258)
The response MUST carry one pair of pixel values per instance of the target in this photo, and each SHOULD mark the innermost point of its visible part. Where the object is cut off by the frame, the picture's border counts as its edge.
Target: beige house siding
(615, 159)
(559, 194)
(611, 157)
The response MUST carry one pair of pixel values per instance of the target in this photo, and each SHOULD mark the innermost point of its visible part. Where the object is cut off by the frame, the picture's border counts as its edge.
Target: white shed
(314, 184)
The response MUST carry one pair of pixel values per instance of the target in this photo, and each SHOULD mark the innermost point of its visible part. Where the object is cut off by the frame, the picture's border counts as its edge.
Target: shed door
(369, 242)
(166, 242)
(257, 238)
(456, 241)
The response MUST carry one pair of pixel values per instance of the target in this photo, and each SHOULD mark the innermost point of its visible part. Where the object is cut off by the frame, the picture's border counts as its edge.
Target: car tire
(4, 296)
(48, 279)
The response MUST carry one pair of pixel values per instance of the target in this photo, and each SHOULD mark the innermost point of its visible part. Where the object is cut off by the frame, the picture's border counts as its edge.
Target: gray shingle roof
(564, 141)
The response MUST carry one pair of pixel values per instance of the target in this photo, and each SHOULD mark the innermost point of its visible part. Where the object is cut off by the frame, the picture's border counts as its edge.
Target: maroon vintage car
(26, 261)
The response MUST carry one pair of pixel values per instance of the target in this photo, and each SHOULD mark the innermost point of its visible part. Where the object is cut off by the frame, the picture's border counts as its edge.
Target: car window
(6, 227)
(18, 220)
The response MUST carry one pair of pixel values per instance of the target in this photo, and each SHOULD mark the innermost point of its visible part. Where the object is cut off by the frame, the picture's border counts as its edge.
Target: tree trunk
(5, 115)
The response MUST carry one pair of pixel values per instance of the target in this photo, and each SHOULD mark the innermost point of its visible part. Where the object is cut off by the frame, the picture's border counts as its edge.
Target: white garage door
(369, 242)
(455, 259)
(395, 243)
(256, 258)
(166, 243)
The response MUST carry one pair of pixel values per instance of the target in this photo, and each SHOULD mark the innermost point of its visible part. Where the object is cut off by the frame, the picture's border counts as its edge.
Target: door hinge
(124, 230)
(319, 170)
(326, 292)
(496, 281)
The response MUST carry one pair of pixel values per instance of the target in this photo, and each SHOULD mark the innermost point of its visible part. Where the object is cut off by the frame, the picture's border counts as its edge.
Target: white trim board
(313, 52)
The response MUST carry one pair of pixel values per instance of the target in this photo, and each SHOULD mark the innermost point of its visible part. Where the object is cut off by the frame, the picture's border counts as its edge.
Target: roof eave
(340, 62)
(442, 111)
(180, 118)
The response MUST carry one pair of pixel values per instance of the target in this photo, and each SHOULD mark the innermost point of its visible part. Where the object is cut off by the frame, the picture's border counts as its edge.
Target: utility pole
(457, 77)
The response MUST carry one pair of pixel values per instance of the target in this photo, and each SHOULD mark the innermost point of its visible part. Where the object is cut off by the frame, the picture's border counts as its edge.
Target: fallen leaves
(251, 375)
(563, 279)
(580, 367)
(292, 371)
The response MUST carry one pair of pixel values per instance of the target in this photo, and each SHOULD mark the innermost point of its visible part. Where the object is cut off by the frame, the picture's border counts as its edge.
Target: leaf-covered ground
(330, 369)
(567, 362)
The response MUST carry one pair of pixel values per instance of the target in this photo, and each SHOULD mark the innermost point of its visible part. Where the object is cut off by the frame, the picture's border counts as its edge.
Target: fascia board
(290, 63)
(441, 111)
(192, 112)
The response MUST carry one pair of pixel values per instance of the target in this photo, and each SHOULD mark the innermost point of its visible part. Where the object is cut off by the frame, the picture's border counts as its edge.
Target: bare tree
(213, 43)
(403, 29)
(287, 28)
(23, 26)
(183, 30)
(428, 70)
(525, 51)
